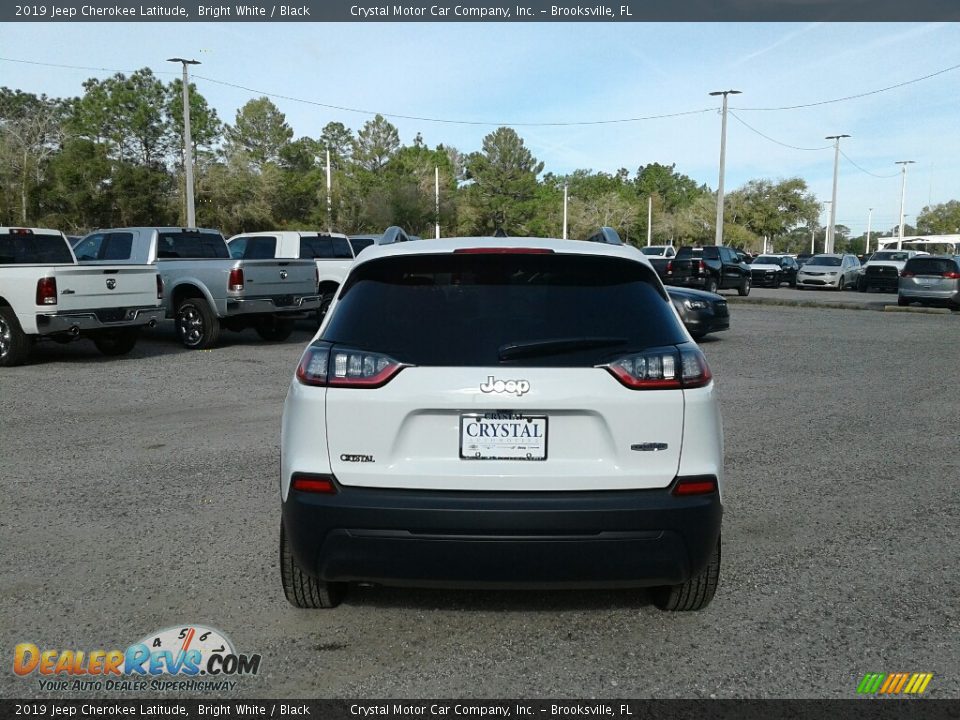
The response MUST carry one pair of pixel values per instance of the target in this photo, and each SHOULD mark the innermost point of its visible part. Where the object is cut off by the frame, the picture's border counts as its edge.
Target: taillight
(906, 273)
(662, 369)
(235, 284)
(702, 266)
(305, 482)
(47, 291)
(159, 287)
(695, 485)
(322, 366)
(670, 267)
(952, 275)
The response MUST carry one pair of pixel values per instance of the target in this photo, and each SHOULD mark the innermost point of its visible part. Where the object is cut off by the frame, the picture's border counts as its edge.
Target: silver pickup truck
(45, 295)
(204, 288)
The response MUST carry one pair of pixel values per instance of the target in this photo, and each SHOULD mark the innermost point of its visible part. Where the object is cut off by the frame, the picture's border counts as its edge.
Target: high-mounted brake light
(670, 368)
(323, 366)
(695, 485)
(21, 231)
(235, 284)
(503, 251)
(159, 287)
(305, 482)
(47, 291)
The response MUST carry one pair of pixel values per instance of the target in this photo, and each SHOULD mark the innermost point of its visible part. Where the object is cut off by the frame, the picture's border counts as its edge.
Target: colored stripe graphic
(894, 683)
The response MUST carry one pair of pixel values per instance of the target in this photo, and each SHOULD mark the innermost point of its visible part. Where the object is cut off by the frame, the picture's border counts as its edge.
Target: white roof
(448, 245)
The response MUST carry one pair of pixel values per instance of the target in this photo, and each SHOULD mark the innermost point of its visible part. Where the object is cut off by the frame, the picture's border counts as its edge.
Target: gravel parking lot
(141, 493)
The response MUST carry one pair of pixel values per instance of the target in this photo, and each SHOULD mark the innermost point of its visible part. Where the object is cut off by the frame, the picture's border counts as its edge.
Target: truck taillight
(702, 266)
(159, 287)
(235, 284)
(670, 267)
(670, 368)
(324, 366)
(47, 291)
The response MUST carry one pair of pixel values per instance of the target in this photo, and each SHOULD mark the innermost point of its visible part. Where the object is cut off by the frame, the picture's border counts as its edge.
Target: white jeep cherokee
(504, 413)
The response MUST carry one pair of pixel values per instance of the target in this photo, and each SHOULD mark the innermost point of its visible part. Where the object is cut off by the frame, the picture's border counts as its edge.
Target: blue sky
(557, 72)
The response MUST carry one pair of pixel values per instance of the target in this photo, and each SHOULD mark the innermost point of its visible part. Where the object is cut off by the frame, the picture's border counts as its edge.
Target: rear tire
(274, 329)
(744, 288)
(302, 590)
(197, 326)
(325, 301)
(116, 342)
(14, 344)
(711, 285)
(696, 593)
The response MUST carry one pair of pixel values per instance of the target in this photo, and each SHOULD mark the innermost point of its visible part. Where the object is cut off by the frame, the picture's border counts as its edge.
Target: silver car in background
(931, 280)
(829, 271)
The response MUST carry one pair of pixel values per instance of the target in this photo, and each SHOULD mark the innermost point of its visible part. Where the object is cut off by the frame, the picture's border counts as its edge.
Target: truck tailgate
(279, 277)
(89, 287)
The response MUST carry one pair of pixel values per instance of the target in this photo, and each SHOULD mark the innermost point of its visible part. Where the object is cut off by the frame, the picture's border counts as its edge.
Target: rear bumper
(951, 296)
(500, 539)
(276, 305)
(890, 284)
(689, 281)
(103, 319)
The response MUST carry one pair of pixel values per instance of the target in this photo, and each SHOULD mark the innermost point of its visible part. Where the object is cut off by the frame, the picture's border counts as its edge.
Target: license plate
(503, 436)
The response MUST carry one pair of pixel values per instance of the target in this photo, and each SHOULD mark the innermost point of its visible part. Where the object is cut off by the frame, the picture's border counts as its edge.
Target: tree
(376, 142)
(504, 184)
(769, 209)
(205, 126)
(31, 129)
(259, 133)
(674, 189)
(940, 219)
(338, 139)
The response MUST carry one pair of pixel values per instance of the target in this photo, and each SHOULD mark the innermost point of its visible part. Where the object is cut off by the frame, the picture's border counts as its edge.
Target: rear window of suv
(930, 266)
(33, 249)
(464, 309)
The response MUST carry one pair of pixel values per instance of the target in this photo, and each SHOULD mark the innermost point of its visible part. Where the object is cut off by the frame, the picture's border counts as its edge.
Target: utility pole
(187, 141)
(564, 211)
(650, 220)
(866, 250)
(329, 195)
(723, 157)
(903, 194)
(436, 199)
(828, 245)
(813, 250)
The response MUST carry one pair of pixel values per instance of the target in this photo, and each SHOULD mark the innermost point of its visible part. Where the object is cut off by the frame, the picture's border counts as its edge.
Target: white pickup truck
(206, 289)
(45, 294)
(332, 252)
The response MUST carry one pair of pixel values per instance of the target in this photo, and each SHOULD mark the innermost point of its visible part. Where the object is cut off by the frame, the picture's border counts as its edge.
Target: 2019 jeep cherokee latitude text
(502, 412)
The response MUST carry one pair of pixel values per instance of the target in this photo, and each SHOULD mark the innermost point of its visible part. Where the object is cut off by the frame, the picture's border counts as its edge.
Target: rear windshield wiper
(534, 348)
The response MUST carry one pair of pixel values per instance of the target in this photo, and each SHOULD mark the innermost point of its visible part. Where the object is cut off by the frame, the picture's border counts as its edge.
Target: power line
(858, 95)
(773, 140)
(518, 124)
(865, 170)
(361, 111)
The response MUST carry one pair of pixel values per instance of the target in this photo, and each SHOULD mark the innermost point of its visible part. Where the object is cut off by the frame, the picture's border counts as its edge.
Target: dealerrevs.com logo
(182, 658)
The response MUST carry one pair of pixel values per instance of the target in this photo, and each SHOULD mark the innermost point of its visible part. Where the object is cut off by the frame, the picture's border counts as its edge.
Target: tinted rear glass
(118, 247)
(33, 250)
(325, 247)
(191, 245)
(931, 266)
(260, 248)
(824, 261)
(359, 244)
(460, 309)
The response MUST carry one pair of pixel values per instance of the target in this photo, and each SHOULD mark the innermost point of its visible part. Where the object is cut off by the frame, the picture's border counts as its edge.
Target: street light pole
(903, 194)
(718, 238)
(650, 220)
(866, 250)
(833, 202)
(564, 211)
(187, 141)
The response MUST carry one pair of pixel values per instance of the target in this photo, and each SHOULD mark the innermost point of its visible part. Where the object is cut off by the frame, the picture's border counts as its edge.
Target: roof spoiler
(606, 235)
(393, 234)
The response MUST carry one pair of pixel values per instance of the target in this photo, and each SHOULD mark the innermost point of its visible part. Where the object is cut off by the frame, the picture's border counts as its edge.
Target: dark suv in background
(710, 268)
